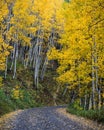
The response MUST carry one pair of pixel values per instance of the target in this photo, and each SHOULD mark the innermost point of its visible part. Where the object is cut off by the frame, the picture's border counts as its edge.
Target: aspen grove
(37, 33)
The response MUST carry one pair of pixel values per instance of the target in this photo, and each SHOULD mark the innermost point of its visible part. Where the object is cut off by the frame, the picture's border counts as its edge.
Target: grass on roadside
(96, 115)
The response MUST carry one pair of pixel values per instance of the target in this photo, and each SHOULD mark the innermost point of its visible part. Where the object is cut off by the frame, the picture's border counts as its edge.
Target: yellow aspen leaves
(81, 45)
(16, 93)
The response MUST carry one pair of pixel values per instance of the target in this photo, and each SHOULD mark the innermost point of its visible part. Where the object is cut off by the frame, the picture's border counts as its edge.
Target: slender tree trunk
(15, 60)
(6, 68)
(44, 67)
(13, 57)
(99, 95)
(90, 102)
(99, 103)
(93, 77)
(93, 87)
(85, 102)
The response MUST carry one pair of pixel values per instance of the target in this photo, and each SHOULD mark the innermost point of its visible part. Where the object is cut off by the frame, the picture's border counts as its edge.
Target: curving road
(46, 118)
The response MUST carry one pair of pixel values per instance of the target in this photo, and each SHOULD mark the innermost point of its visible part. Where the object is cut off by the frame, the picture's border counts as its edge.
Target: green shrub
(9, 104)
(5, 108)
(97, 115)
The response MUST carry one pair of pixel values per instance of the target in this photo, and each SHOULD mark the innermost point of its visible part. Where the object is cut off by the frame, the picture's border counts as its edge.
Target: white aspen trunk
(44, 68)
(15, 60)
(93, 78)
(79, 85)
(37, 59)
(99, 95)
(93, 87)
(50, 44)
(6, 68)
(30, 56)
(95, 60)
(96, 74)
(13, 57)
(8, 27)
(65, 90)
(80, 102)
(85, 102)
(56, 94)
(90, 102)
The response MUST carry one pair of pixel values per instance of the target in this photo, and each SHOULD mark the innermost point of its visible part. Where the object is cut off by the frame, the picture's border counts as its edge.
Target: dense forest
(52, 52)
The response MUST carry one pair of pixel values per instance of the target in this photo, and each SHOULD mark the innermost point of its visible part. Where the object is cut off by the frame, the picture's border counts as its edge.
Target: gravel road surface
(46, 118)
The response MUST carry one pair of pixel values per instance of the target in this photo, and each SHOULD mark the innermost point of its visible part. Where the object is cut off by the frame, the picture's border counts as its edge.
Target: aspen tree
(81, 43)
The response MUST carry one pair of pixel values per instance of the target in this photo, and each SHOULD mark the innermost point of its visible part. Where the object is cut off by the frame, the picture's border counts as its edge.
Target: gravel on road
(46, 118)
